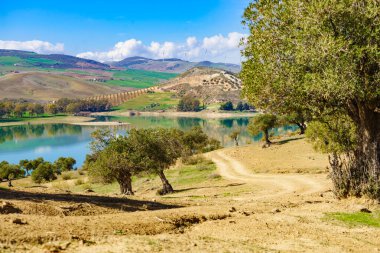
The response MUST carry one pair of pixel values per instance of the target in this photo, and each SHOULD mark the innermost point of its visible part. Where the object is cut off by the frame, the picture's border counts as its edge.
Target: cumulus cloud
(216, 48)
(32, 45)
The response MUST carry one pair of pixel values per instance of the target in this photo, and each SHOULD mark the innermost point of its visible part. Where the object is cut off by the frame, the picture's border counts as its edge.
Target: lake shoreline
(202, 114)
(49, 120)
(91, 121)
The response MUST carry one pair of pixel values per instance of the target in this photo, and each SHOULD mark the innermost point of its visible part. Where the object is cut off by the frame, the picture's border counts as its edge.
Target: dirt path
(271, 185)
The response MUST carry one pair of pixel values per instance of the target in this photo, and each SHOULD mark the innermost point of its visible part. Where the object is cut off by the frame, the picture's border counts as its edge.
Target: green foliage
(333, 136)
(228, 106)
(195, 141)
(45, 172)
(10, 171)
(240, 106)
(320, 59)
(263, 123)
(142, 151)
(63, 164)
(188, 104)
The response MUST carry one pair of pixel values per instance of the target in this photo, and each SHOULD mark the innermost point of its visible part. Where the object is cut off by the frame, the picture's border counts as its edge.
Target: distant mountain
(58, 61)
(171, 65)
(209, 84)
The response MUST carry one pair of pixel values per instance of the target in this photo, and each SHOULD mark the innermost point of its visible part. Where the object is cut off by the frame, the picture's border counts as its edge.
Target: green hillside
(138, 78)
(151, 102)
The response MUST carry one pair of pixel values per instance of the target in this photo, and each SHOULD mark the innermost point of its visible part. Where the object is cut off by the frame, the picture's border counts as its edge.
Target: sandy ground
(52, 120)
(275, 211)
(202, 114)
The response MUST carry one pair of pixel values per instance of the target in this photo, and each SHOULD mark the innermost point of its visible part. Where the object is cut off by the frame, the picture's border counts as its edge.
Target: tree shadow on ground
(282, 142)
(207, 187)
(119, 203)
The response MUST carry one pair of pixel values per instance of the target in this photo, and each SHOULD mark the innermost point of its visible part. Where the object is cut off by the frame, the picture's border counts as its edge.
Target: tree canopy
(321, 59)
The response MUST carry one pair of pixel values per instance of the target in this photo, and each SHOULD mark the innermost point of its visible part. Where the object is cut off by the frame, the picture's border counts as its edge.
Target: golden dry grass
(284, 156)
(47, 87)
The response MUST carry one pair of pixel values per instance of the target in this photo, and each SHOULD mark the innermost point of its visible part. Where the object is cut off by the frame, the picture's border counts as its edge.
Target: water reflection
(51, 141)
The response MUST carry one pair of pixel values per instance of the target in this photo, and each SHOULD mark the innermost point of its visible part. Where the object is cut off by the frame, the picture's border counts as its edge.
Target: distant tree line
(39, 169)
(22, 108)
(240, 106)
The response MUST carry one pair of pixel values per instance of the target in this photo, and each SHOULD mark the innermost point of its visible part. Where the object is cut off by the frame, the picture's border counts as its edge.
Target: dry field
(279, 210)
(47, 87)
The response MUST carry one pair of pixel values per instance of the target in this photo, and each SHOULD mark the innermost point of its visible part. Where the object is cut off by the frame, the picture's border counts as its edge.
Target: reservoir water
(51, 141)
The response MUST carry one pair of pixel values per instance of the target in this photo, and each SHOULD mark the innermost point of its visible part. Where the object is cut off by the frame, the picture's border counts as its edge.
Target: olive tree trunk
(266, 135)
(166, 186)
(125, 182)
(302, 127)
(358, 173)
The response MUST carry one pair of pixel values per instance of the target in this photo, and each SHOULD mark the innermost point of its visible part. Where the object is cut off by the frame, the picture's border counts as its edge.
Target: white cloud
(216, 48)
(32, 45)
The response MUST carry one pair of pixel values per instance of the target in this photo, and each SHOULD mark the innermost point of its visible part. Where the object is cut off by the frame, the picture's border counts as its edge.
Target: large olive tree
(156, 150)
(322, 58)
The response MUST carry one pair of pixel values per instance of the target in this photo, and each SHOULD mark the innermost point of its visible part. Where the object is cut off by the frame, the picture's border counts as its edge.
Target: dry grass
(46, 87)
(293, 155)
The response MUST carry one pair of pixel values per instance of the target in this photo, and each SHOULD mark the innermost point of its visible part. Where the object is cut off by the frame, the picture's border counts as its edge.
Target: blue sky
(94, 28)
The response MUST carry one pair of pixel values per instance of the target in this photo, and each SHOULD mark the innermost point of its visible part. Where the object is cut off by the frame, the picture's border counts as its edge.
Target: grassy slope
(124, 78)
(150, 102)
(181, 176)
(138, 78)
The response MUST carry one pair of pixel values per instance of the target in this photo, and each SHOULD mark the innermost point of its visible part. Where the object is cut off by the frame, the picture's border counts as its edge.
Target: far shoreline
(49, 120)
(201, 114)
(91, 121)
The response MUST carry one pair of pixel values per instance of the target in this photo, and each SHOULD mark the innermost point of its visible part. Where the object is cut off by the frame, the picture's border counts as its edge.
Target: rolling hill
(59, 61)
(38, 86)
(171, 65)
(211, 85)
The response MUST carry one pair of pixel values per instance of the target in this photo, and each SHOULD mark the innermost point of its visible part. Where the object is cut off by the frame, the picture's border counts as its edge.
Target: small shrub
(193, 160)
(66, 176)
(87, 186)
(79, 182)
(81, 172)
(214, 176)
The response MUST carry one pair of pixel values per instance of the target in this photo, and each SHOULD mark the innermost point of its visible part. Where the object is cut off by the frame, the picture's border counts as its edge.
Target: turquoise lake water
(51, 141)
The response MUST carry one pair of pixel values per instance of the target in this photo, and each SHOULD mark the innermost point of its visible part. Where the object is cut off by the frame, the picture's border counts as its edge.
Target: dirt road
(271, 185)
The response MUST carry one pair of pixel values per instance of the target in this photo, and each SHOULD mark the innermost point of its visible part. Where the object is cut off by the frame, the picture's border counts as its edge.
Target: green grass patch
(138, 78)
(357, 218)
(192, 174)
(151, 102)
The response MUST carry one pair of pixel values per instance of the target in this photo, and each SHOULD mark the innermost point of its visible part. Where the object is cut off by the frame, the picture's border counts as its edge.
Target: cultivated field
(47, 87)
(236, 204)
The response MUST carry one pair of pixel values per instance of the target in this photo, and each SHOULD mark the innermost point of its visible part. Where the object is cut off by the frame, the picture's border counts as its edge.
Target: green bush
(10, 171)
(44, 173)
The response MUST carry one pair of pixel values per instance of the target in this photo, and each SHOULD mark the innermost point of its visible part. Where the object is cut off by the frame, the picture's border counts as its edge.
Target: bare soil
(243, 212)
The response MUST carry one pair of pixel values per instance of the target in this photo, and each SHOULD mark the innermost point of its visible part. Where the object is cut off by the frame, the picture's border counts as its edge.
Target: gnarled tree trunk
(367, 154)
(359, 172)
(166, 186)
(125, 182)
